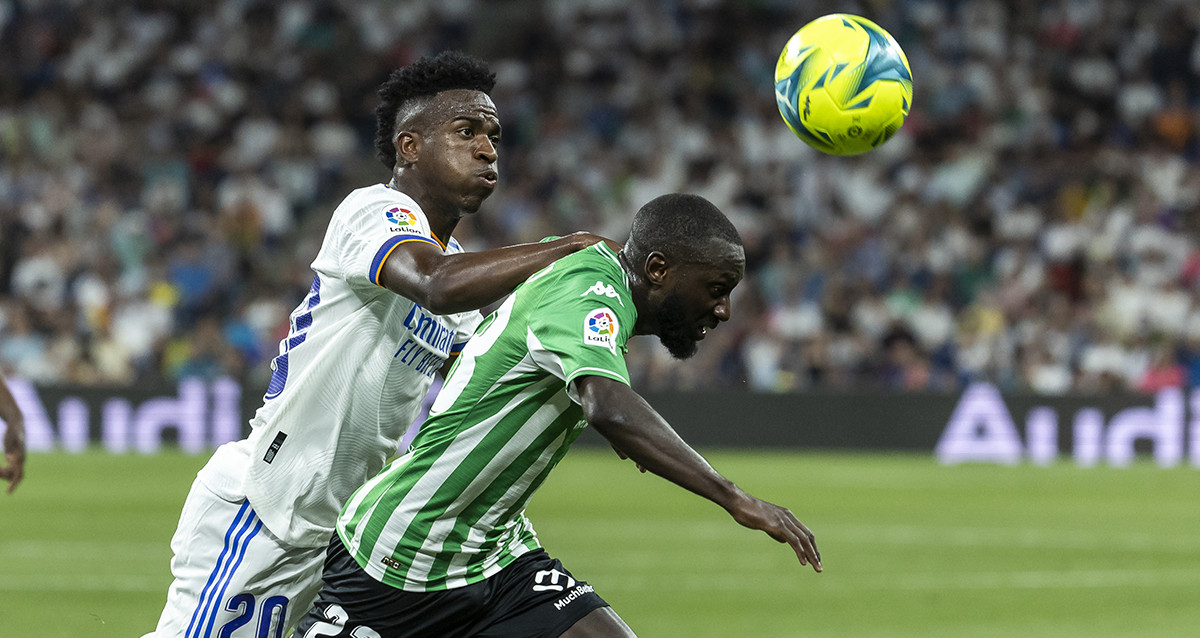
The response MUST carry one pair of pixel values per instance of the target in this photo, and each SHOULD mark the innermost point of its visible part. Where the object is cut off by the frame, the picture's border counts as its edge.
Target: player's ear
(656, 268)
(408, 147)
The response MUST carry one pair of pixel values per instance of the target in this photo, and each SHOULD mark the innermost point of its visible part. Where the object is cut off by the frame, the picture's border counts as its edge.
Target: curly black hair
(427, 76)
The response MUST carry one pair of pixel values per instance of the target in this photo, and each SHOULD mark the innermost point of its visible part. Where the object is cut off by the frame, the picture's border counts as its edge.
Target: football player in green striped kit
(438, 544)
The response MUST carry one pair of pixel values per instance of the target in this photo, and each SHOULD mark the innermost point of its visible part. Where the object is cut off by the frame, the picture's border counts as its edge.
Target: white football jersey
(350, 377)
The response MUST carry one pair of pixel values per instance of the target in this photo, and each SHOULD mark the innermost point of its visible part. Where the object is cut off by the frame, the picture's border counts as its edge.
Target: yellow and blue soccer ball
(843, 84)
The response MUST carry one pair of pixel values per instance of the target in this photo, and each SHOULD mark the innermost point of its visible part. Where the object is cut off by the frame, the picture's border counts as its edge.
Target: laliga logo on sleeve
(401, 216)
(600, 329)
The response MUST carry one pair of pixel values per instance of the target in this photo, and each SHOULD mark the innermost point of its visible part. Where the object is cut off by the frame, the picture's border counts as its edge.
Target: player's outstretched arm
(637, 431)
(446, 284)
(14, 439)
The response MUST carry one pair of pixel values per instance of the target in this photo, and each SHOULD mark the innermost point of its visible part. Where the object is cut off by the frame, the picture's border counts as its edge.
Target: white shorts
(233, 577)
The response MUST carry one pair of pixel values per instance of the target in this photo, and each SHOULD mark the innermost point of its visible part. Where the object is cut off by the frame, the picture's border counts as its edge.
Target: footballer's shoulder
(381, 197)
(597, 260)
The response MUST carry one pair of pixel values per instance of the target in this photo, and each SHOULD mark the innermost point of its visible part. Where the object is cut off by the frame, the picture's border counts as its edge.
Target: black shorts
(533, 597)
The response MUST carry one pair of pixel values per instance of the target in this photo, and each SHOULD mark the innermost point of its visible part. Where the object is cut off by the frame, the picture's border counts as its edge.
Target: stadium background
(167, 169)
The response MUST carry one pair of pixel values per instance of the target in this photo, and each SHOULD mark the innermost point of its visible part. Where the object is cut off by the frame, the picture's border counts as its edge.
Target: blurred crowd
(167, 169)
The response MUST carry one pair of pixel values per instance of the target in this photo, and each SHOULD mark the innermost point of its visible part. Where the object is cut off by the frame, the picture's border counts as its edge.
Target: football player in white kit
(392, 299)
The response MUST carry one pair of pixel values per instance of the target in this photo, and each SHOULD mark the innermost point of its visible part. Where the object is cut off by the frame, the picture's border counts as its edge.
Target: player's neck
(442, 216)
(638, 289)
(442, 226)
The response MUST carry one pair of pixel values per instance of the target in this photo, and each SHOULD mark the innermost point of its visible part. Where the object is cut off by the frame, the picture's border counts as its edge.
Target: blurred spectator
(164, 167)
(1164, 371)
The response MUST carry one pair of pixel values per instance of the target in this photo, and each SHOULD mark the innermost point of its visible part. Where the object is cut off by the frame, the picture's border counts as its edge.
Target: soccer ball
(843, 85)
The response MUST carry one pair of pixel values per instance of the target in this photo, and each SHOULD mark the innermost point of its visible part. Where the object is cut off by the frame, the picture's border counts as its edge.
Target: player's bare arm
(637, 431)
(446, 284)
(14, 439)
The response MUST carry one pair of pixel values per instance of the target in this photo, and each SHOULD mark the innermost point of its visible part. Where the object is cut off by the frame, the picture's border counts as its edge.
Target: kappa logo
(401, 216)
(603, 290)
(600, 329)
(548, 580)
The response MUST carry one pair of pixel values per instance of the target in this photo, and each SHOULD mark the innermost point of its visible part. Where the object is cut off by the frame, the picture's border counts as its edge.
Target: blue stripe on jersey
(238, 521)
(279, 371)
(240, 554)
(386, 249)
(296, 336)
(292, 342)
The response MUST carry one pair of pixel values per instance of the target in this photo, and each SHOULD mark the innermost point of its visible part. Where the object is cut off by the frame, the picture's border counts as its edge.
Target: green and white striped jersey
(451, 511)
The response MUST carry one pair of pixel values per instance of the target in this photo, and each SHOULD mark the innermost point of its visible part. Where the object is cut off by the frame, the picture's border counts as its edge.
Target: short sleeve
(581, 329)
(374, 230)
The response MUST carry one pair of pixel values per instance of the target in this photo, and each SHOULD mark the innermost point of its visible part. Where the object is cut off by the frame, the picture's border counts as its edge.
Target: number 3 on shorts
(337, 621)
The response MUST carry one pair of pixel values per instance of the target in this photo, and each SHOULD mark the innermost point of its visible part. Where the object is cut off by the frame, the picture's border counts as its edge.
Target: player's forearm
(9, 412)
(468, 281)
(645, 437)
(12, 416)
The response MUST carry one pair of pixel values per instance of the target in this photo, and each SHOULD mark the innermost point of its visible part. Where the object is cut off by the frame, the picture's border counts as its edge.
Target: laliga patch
(600, 329)
(401, 216)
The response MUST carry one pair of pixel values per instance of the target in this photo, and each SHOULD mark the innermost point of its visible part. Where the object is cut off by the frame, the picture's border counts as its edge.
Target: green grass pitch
(911, 548)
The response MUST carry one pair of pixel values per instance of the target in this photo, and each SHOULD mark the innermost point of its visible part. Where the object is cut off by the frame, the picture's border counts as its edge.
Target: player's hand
(625, 457)
(14, 455)
(779, 523)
